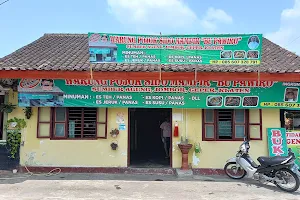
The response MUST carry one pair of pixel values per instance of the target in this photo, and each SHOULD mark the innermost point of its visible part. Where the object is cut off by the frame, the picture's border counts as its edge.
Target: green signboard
(159, 94)
(277, 142)
(293, 142)
(237, 49)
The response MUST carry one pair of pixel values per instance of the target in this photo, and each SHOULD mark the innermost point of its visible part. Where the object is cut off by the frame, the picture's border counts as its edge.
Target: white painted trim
(2, 142)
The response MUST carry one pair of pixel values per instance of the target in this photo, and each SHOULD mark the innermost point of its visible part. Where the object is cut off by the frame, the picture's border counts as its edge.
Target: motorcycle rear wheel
(293, 176)
(232, 166)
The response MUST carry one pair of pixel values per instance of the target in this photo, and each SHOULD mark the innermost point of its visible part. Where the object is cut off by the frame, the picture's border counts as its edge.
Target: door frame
(129, 136)
(4, 118)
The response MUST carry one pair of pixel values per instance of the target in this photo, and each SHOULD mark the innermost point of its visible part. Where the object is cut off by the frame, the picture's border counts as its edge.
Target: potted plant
(115, 132)
(114, 145)
(197, 147)
(7, 108)
(184, 147)
(28, 112)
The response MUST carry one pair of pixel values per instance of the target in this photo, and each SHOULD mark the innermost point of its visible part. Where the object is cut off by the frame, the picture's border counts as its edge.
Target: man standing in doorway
(165, 135)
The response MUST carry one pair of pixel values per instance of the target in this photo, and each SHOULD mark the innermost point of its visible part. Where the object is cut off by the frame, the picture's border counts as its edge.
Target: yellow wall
(98, 153)
(215, 153)
(72, 153)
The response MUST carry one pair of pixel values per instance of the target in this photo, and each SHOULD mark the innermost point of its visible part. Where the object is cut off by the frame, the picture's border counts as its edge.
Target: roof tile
(69, 52)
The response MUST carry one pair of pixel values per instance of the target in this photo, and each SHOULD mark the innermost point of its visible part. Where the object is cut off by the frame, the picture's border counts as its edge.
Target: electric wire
(4, 2)
(53, 172)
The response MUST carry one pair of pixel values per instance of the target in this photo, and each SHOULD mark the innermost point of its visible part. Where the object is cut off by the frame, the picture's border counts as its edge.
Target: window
(44, 122)
(74, 123)
(228, 124)
(255, 124)
(292, 121)
(99, 57)
(60, 123)
(108, 54)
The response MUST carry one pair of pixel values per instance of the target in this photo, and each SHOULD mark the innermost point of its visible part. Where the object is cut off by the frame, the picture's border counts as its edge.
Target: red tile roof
(70, 52)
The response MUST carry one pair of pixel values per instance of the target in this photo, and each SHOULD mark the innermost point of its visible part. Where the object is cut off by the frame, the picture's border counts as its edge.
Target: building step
(105, 170)
(184, 173)
(149, 171)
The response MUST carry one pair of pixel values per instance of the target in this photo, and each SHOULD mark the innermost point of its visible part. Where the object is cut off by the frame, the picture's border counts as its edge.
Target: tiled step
(149, 171)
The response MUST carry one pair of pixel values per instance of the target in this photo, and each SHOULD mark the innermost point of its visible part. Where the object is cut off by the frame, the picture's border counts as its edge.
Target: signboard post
(277, 142)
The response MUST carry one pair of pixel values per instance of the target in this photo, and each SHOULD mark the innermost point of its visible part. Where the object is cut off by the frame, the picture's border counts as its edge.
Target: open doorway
(147, 149)
(1, 118)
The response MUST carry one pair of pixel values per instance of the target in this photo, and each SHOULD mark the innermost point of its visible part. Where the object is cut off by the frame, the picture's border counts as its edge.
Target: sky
(23, 21)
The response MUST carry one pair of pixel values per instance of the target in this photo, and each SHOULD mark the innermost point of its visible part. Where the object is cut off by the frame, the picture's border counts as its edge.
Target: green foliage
(13, 141)
(21, 123)
(28, 112)
(7, 108)
(14, 135)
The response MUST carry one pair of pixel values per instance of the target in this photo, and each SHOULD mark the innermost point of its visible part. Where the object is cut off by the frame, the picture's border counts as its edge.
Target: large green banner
(237, 49)
(158, 94)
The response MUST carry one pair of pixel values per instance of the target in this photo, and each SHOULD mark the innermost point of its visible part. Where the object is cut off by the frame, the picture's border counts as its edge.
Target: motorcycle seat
(271, 160)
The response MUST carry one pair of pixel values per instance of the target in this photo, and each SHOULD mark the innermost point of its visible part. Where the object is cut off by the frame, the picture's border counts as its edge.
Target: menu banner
(158, 93)
(227, 49)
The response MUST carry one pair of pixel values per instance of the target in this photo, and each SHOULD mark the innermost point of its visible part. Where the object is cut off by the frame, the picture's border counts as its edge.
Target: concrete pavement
(144, 187)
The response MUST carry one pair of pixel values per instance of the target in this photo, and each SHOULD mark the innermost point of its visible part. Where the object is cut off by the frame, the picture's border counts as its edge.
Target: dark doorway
(4, 160)
(145, 143)
(1, 118)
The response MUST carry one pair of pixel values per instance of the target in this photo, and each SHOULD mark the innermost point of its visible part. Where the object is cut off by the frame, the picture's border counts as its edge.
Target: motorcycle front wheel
(291, 179)
(234, 171)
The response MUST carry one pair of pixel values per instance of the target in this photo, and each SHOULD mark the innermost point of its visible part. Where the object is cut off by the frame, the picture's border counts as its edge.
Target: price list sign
(158, 94)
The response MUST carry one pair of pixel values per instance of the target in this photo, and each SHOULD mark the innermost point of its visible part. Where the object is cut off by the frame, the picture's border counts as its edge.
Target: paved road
(111, 187)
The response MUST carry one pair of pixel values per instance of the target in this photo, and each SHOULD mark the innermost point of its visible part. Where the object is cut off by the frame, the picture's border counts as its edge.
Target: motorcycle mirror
(290, 152)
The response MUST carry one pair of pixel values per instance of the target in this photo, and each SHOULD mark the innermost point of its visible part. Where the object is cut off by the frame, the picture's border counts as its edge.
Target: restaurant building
(95, 110)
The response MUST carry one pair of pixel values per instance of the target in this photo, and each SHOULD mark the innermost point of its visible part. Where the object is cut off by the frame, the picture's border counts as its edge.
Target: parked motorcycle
(279, 170)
